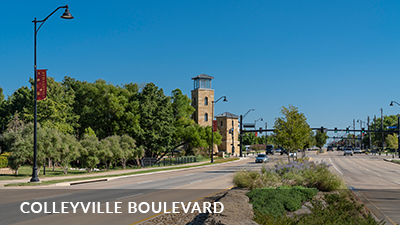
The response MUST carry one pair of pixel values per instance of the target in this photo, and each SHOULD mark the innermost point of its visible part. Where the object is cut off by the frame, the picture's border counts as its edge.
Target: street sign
(392, 127)
(249, 125)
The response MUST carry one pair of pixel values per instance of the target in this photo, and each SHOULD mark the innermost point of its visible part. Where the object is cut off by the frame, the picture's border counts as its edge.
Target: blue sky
(334, 60)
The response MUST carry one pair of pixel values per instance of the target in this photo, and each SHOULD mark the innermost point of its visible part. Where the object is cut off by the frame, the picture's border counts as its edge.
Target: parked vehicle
(348, 151)
(270, 149)
(330, 148)
(340, 148)
(261, 158)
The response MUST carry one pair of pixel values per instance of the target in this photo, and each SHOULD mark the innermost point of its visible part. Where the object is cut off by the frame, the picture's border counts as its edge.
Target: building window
(205, 101)
(206, 117)
(221, 123)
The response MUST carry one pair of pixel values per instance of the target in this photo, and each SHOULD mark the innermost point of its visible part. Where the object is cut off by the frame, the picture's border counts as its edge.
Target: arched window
(205, 101)
(206, 117)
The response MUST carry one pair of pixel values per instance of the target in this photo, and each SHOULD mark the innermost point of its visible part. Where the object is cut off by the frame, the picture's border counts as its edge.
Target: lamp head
(225, 100)
(391, 103)
(67, 14)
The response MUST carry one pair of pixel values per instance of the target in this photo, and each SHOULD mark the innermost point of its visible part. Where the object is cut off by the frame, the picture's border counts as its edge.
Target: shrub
(275, 202)
(338, 209)
(4, 159)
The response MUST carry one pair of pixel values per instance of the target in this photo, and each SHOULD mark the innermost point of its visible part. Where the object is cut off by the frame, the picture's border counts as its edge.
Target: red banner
(41, 84)
(215, 126)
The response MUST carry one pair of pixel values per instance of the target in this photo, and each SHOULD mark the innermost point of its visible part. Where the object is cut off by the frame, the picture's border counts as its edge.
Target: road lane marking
(196, 181)
(397, 182)
(145, 182)
(377, 208)
(378, 175)
(335, 166)
(129, 196)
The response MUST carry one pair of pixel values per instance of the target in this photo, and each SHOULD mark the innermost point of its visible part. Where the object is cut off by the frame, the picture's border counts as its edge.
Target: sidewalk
(96, 174)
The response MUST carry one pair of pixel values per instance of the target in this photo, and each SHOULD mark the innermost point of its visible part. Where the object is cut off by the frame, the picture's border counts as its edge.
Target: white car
(348, 151)
(293, 154)
(357, 150)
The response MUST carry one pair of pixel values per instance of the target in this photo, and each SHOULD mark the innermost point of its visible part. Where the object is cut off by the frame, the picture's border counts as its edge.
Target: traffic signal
(347, 130)
(363, 130)
(322, 129)
(335, 129)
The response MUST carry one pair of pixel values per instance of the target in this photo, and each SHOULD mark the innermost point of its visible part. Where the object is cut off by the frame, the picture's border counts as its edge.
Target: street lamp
(241, 129)
(398, 128)
(65, 15)
(212, 127)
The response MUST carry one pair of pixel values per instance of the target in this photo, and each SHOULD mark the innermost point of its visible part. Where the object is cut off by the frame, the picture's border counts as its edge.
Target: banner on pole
(215, 126)
(41, 84)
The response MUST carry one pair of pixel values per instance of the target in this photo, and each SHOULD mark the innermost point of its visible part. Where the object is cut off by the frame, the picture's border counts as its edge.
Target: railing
(167, 161)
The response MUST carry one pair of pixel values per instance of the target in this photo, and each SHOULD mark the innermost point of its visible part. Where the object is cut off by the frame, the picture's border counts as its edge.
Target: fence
(147, 161)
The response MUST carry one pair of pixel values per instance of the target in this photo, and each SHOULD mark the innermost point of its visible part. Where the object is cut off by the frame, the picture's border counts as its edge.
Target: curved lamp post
(398, 128)
(241, 130)
(212, 127)
(65, 15)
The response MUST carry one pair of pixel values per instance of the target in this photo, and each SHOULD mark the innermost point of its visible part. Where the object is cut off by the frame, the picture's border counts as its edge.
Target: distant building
(226, 124)
(202, 98)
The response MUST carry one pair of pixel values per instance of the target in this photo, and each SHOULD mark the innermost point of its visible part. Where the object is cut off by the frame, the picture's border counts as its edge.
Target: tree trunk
(124, 163)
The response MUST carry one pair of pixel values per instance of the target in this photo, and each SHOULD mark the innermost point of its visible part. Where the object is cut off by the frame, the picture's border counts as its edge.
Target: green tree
(320, 138)
(291, 130)
(392, 141)
(156, 122)
(89, 152)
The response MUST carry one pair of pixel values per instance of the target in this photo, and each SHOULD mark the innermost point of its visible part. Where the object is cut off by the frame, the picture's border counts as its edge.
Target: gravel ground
(237, 211)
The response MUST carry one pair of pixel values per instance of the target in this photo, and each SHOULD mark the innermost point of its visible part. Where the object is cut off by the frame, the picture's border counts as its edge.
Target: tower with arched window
(202, 98)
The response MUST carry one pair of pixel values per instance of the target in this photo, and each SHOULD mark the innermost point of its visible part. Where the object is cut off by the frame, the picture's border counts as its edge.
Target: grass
(216, 161)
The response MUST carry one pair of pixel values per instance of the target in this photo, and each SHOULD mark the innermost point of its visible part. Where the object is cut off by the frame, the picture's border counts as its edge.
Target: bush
(4, 159)
(275, 202)
(338, 209)
(297, 173)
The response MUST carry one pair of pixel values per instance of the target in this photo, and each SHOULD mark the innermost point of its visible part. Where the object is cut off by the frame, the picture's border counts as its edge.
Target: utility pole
(369, 136)
(354, 132)
(383, 141)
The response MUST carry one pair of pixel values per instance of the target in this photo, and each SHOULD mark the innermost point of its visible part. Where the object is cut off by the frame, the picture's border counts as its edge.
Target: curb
(125, 176)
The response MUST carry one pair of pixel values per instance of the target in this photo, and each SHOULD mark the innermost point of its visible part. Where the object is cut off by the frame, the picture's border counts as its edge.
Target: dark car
(270, 149)
(284, 151)
(261, 158)
(330, 148)
(339, 148)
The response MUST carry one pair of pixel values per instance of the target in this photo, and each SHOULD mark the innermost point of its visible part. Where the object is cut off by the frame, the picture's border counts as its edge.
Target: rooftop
(203, 76)
(227, 114)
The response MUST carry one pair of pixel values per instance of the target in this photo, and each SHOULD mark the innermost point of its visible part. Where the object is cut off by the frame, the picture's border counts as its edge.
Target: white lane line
(367, 169)
(145, 182)
(379, 175)
(55, 196)
(397, 182)
(129, 196)
(335, 166)
(196, 181)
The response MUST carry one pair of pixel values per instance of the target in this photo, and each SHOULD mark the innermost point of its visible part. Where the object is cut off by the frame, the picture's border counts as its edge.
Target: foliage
(392, 141)
(291, 130)
(337, 208)
(275, 202)
(4, 160)
(320, 138)
(306, 174)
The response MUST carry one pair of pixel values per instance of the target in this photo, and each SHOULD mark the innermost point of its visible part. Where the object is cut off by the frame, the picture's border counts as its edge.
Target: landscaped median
(98, 178)
(301, 192)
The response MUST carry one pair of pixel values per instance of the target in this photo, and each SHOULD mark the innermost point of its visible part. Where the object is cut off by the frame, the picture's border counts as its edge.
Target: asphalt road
(173, 186)
(373, 180)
